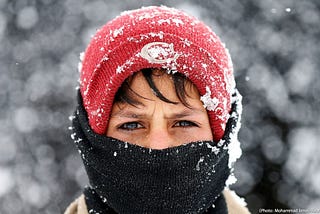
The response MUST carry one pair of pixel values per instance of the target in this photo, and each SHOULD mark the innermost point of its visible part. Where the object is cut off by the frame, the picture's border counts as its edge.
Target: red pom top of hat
(156, 37)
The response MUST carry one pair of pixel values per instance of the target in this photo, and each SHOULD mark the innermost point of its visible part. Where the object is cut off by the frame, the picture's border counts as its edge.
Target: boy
(158, 109)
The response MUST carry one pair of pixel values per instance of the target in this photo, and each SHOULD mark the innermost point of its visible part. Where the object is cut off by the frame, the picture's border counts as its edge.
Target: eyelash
(178, 124)
(186, 124)
(136, 124)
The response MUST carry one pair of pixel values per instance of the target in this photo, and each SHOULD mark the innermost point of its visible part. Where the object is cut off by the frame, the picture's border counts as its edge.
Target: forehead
(164, 82)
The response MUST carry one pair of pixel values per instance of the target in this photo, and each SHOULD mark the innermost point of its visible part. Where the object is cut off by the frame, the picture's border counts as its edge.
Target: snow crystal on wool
(125, 145)
(186, 42)
(204, 66)
(71, 117)
(235, 151)
(104, 200)
(81, 56)
(118, 32)
(97, 112)
(79, 66)
(86, 91)
(231, 179)
(160, 34)
(221, 143)
(121, 68)
(177, 22)
(158, 52)
(73, 135)
(145, 16)
(78, 140)
(214, 149)
(230, 81)
(161, 21)
(146, 36)
(198, 164)
(209, 103)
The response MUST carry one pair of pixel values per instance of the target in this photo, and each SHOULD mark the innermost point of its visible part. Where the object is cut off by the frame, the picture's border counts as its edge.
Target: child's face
(156, 124)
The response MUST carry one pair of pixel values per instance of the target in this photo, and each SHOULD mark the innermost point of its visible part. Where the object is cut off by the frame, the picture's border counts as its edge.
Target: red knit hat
(156, 37)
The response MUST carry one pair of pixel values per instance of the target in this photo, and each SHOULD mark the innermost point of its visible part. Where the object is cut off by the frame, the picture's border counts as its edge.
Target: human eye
(130, 126)
(185, 124)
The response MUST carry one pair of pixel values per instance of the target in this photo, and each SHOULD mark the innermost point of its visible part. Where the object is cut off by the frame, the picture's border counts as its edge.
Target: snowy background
(275, 48)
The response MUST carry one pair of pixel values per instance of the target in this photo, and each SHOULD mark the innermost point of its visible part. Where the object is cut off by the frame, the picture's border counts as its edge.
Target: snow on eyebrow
(209, 103)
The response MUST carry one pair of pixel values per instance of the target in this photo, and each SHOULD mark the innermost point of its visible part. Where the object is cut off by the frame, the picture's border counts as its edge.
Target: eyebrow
(135, 115)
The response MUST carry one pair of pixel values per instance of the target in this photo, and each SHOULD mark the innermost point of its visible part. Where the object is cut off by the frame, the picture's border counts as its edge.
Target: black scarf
(127, 178)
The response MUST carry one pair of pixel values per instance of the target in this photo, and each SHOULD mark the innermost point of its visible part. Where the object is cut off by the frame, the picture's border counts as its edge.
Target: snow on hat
(156, 37)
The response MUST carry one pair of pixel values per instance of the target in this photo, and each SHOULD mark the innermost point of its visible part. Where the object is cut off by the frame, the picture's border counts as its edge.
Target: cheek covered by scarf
(127, 178)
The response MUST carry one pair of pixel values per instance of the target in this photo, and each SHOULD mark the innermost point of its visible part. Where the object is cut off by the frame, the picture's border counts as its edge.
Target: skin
(156, 124)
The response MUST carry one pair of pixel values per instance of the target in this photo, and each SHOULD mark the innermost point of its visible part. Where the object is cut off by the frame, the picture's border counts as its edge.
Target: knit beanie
(156, 37)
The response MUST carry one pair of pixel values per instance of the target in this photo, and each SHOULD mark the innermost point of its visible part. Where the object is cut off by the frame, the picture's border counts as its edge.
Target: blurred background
(275, 48)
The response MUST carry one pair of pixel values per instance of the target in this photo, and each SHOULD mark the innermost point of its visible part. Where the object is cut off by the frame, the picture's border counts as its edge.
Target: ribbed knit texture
(155, 37)
(132, 179)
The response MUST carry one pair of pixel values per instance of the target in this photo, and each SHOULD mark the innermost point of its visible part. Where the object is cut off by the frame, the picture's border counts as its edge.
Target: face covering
(127, 178)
